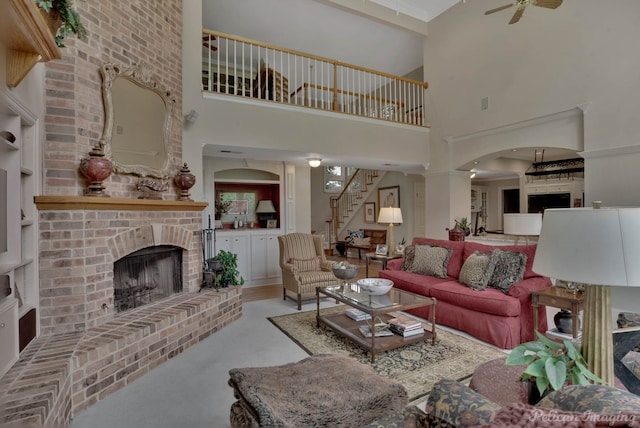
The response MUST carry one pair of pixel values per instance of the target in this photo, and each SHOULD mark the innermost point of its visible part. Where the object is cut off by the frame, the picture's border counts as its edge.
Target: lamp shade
(592, 246)
(265, 206)
(522, 224)
(390, 215)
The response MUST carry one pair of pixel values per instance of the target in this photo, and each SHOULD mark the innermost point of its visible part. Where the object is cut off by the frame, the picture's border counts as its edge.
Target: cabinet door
(224, 243)
(273, 257)
(259, 256)
(241, 248)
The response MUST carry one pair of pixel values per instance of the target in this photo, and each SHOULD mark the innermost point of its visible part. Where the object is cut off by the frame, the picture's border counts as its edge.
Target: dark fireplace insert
(146, 276)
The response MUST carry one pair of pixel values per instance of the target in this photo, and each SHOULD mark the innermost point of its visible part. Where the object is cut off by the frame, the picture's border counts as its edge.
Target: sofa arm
(395, 264)
(524, 288)
(327, 264)
(290, 268)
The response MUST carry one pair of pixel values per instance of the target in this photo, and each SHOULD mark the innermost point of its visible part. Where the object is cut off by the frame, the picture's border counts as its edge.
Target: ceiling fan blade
(549, 4)
(517, 15)
(498, 9)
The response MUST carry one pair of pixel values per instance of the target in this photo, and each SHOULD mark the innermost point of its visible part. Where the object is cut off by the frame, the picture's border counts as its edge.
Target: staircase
(360, 185)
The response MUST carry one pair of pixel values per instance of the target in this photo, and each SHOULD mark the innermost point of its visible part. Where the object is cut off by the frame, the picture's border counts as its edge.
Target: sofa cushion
(413, 282)
(507, 268)
(455, 262)
(529, 250)
(353, 234)
(473, 271)
(363, 242)
(431, 261)
(490, 301)
(459, 405)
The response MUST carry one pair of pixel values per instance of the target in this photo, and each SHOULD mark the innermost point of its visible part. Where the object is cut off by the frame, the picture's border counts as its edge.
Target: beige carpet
(417, 366)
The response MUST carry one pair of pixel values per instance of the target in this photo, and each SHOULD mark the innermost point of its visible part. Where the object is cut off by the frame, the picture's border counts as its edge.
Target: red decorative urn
(96, 168)
(185, 181)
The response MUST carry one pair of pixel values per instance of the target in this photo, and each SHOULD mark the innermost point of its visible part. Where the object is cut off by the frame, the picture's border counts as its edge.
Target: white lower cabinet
(258, 254)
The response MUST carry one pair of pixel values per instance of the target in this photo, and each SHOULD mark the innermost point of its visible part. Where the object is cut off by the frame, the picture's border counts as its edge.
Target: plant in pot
(226, 267)
(464, 225)
(222, 207)
(551, 365)
(62, 18)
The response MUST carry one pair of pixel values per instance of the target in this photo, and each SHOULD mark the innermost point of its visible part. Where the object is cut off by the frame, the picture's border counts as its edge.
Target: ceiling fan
(522, 4)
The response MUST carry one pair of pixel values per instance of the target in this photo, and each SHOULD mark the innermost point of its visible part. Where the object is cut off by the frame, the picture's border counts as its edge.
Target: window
(335, 178)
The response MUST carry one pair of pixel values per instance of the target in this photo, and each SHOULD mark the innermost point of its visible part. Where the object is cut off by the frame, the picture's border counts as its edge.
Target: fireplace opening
(146, 276)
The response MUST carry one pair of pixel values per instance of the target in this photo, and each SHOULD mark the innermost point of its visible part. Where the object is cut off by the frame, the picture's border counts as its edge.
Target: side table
(561, 298)
(383, 258)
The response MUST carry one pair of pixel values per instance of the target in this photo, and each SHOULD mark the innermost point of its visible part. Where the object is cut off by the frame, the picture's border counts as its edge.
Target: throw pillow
(473, 271)
(353, 234)
(431, 261)
(407, 258)
(306, 265)
(363, 242)
(459, 405)
(508, 268)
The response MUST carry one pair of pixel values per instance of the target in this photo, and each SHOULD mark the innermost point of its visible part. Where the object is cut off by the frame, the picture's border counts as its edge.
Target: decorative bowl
(375, 286)
(346, 272)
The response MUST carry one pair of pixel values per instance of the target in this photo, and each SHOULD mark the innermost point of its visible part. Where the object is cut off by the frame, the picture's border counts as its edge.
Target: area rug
(416, 366)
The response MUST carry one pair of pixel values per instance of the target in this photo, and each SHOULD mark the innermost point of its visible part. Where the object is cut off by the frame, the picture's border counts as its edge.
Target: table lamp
(265, 211)
(390, 215)
(522, 225)
(598, 247)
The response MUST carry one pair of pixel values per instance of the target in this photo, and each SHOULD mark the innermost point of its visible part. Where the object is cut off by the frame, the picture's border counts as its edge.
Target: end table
(561, 298)
(381, 257)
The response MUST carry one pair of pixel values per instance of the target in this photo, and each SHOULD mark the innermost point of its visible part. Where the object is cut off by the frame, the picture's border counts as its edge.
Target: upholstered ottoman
(499, 382)
(319, 391)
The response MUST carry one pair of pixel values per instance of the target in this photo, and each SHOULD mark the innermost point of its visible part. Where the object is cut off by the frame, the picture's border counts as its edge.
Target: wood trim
(29, 39)
(425, 85)
(46, 203)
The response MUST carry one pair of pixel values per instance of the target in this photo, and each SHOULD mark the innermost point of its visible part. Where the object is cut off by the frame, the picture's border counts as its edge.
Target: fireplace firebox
(146, 276)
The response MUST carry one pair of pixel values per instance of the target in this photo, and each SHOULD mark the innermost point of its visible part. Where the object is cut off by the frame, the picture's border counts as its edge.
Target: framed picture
(239, 206)
(381, 249)
(370, 212)
(272, 224)
(389, 197)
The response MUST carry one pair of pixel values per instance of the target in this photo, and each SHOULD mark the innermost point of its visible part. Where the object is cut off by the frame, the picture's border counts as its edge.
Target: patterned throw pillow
(353, 234)
(473, 271)
(407, 258)
(508, 268)
(431, 261)
(306, 265)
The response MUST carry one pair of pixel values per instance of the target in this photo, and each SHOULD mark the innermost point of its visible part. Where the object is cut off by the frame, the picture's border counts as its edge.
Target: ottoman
(319, 391)
(500, 383)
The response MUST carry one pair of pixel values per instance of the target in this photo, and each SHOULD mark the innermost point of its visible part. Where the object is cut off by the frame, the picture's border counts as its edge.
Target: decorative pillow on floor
(508, 268)
(353, 234)
(431, 261)
(306, 265)
(473, 272)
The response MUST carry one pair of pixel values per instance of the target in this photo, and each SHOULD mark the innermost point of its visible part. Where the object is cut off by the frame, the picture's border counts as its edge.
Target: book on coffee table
(357, 314)
(366, 331)
(404, 322)
(407, 332)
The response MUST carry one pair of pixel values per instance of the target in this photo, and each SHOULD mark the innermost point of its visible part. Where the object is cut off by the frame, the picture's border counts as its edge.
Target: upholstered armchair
(304, 265)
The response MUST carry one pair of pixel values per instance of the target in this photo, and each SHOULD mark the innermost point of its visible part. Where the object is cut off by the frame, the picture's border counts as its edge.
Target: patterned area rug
(416, 366)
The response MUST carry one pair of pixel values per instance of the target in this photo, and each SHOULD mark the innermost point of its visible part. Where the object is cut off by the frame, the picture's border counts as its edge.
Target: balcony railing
(241, 67)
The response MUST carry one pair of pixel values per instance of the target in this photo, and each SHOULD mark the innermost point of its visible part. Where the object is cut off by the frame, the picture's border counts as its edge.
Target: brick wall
(124, 33)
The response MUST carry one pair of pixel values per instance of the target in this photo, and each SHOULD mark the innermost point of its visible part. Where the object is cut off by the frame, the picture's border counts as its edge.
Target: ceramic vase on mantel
(96, 168)
(185, 181)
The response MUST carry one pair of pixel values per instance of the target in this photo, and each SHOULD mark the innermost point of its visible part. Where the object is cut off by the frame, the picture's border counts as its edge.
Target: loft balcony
(257, 72)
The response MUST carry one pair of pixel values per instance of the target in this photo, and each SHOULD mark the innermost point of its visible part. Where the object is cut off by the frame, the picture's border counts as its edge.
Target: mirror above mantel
(138, 116)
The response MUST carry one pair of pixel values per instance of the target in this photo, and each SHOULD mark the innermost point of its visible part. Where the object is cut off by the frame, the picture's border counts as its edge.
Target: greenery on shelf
(222, 207)
(551, 365)
(71, 23)
(228, 274)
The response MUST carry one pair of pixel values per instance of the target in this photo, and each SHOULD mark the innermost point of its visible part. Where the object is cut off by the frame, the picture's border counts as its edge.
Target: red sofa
(504, 320)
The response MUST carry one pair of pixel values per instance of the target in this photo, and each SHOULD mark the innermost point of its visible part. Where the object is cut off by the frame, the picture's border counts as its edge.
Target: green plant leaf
(587, 373)
(536, 369)
(542, 384)
(548, 342)
(556, 370)
(518, 356)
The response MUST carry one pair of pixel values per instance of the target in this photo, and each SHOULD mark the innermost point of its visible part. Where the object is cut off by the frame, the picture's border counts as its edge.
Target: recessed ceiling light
(476, 162)
(514, 150)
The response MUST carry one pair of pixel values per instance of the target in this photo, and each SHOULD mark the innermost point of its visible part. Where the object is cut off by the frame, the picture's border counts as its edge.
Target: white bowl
(375, 286)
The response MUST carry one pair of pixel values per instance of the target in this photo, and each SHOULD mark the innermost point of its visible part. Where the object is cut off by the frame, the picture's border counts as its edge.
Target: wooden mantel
(47, 203)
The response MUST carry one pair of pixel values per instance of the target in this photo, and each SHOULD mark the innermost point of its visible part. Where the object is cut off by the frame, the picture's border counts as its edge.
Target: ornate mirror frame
(141, 76)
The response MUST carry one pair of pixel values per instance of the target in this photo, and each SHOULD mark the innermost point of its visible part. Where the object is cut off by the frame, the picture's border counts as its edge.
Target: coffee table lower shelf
(349, 328)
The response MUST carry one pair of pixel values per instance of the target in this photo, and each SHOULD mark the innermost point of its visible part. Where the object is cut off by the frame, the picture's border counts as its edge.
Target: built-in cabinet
(257, 251)
(18, 229)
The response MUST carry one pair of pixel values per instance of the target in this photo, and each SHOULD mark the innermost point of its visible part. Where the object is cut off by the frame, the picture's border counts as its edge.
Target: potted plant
(62, 18)
(464, 225)
(551, 365)
(222, 207)
(226, 268)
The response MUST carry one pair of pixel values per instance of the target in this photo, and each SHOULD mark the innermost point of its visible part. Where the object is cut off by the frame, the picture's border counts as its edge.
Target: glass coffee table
(379, 308)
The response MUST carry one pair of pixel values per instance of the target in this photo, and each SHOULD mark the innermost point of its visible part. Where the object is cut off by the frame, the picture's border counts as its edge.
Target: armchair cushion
(306, 265)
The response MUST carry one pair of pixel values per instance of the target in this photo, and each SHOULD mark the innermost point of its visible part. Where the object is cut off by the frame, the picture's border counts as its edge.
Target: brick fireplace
(86, 349)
